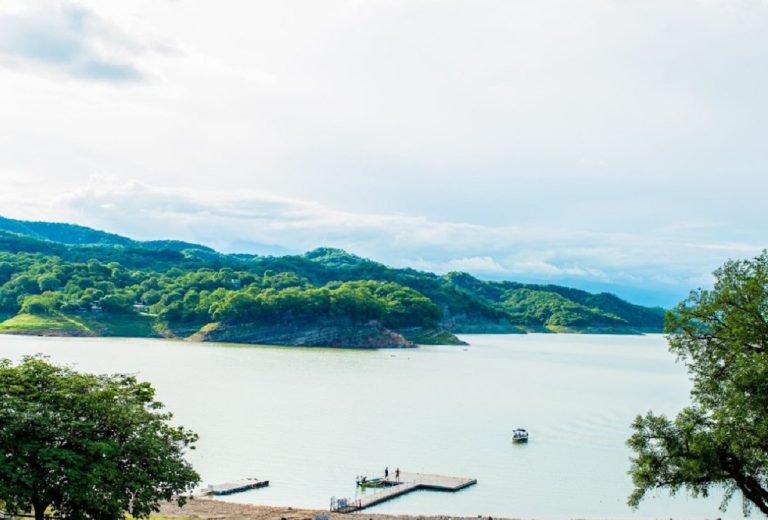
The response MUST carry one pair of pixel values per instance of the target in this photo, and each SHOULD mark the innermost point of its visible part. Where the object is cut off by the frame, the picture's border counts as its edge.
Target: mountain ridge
(66, 268)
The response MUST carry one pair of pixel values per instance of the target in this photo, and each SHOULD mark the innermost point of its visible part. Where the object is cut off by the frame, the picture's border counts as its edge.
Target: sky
(603, 144)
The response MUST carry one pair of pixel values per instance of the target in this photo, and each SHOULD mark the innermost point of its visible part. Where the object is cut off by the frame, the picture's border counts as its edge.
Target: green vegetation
(534, 307)
(42, 324)
(87, 446)
(721, 440)
(432, 337)
(58, 278)
(122, 325)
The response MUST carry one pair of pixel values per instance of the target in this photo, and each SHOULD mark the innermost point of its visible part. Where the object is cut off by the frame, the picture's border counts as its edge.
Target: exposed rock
(341, 333)
(464, 324)
(436, 336)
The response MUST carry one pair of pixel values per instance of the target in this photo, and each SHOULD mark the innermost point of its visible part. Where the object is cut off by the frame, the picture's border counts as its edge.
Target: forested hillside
(66, 279)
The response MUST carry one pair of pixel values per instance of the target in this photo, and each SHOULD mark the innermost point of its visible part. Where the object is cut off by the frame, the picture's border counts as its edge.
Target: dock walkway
(408, 482)
(236, 486)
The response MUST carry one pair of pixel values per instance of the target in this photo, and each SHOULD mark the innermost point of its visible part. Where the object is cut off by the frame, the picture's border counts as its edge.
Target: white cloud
(479, 265)
(616, 142)
(68, 39)
(263, 223)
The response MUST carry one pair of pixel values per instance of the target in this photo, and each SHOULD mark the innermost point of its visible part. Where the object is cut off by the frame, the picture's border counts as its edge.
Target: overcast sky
(615, 145)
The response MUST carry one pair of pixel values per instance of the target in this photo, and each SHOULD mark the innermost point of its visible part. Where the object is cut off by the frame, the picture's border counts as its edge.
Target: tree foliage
(87, 446)
(183, 284)
(534, 307)
(721, 439)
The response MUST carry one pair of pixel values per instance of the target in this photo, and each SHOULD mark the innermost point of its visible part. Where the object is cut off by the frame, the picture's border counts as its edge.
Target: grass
(60, 324)
(49, 324)
(122, 325)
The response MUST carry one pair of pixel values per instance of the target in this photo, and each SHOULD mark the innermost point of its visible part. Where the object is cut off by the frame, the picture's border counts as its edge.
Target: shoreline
(212, 509)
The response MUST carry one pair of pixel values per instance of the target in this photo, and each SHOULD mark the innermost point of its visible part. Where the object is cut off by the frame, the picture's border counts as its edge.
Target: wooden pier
(407, 482)
(236, 486)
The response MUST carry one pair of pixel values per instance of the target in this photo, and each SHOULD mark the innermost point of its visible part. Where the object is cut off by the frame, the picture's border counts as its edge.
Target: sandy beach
(206, 509)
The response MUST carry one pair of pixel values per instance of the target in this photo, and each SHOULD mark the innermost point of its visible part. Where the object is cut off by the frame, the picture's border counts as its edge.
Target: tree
(88, 446)
(40, 303)
(721, 439)
(48, 282)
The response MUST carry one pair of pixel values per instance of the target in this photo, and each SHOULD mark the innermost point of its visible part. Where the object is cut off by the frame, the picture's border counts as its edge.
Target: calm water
(310, 420)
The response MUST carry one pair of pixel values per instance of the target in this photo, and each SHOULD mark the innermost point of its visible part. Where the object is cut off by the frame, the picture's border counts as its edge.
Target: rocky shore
(340, 332)
(206, 509)
(337, 333)
(325, 333)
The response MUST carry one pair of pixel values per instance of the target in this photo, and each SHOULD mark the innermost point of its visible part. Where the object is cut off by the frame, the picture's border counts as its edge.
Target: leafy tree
(41, 303)
(48, 282)
(721, 439)
(118, 302)
(6, 271)
(87, 446)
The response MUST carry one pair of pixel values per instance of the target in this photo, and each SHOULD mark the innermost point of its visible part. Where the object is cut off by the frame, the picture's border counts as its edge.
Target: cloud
(549, 140)
(67, 39)
(265, 224)
(481, 265)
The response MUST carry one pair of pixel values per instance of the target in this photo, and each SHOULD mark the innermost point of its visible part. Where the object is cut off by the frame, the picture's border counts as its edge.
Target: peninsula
(68, 280)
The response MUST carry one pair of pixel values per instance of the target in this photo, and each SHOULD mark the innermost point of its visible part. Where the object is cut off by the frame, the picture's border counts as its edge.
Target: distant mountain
(73, 234)
(67, 272)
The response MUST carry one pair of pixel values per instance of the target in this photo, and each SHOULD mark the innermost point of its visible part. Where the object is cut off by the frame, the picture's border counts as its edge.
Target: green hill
(91, 282)
(72, 234)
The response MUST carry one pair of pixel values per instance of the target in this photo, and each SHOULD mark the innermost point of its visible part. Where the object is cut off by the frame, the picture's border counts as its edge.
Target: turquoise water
(310, 420)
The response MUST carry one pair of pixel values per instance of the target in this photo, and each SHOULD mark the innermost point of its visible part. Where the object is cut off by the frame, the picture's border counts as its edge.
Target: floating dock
(236, 486)
(405, 484)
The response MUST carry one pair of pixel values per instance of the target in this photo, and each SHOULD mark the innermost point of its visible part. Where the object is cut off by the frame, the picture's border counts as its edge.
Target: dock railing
(345, 505)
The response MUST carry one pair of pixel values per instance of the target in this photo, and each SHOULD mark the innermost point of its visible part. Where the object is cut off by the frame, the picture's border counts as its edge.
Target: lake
(310, 420)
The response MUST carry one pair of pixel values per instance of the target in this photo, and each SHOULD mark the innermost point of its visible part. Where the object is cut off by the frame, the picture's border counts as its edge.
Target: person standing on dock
(386, 473)
(397, 474)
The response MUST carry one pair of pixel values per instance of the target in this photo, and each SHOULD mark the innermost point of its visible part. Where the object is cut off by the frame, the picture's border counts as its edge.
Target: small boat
(365, 482)
(519, 435)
